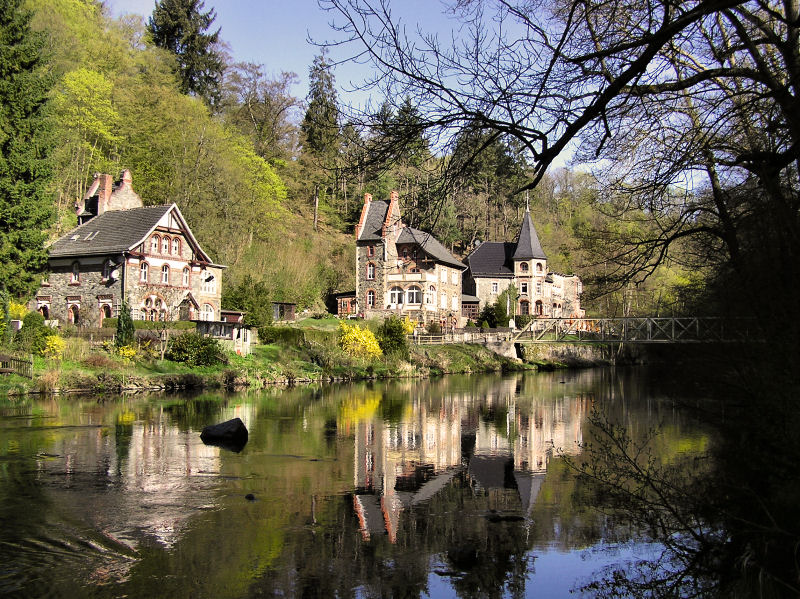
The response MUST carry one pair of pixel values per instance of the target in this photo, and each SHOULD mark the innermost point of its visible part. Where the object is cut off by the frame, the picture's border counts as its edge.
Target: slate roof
(528, 245)
(430, 245)
(492, 258)
(373, 222)
(111, 232)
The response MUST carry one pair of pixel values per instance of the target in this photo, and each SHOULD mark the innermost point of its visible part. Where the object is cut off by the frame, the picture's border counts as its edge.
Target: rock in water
(231, 435)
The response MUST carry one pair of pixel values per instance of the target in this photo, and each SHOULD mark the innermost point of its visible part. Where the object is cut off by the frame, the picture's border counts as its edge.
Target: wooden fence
(16, 365)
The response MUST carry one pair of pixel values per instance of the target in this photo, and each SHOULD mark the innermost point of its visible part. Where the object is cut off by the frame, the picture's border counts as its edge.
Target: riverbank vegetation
(312, 351)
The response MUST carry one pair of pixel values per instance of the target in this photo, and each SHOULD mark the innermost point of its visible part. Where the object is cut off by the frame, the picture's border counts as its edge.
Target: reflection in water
(441, 488)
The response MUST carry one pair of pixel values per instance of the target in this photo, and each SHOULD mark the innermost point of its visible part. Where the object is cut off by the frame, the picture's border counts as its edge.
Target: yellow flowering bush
(358, 342)
(53, 347)
(16, 311)
(127, 352)
(409, 325)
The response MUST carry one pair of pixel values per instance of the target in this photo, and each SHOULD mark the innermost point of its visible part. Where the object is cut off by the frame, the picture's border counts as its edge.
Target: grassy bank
(303, 353)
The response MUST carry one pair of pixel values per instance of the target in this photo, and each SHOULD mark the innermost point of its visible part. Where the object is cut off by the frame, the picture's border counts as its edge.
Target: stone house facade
(122, 251)
(494, 266)
(403, 271)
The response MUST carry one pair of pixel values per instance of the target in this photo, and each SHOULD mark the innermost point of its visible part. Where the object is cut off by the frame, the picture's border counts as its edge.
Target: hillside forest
(270, 183)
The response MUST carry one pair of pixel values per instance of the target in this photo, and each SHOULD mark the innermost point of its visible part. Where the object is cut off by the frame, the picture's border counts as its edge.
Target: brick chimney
(367, 198)
(364, 209)
(104, 189)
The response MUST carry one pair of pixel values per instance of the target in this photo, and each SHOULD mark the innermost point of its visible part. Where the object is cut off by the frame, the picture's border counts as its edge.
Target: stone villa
(495, 265)
(401, 270)
(124, 251)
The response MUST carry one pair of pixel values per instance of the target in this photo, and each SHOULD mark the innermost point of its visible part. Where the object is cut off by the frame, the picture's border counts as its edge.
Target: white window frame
(144, 272)
(495, 287)
(414, 295)
(165, 274)
(396, 296)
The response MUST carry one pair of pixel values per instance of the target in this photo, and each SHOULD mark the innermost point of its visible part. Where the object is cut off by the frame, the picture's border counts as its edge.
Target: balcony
(411, 277)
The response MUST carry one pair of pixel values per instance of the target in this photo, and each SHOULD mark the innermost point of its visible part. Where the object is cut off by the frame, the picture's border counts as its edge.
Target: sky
(275, 33)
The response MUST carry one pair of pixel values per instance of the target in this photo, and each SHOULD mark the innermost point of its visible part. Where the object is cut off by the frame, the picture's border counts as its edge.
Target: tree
(179, 26)
(25, 204)
(320, 124)
(263, 109)
(126, 334)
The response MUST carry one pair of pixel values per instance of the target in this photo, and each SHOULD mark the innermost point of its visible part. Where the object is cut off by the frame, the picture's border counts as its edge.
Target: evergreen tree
(25, 207)
(125, 329)
(320, 125)
(179, 26)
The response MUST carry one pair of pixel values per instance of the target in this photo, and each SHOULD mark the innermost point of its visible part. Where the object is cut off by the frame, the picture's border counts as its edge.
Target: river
(459, 486)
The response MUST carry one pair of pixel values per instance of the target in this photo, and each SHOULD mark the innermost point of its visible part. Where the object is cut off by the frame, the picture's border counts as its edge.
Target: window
(370, 299)
(524, 307)
(414, 295)
(405, 253)
(538, 289)
(538, 267)
(538, 307)
(370, 271)
(523, 266)
(106, 270)
(454, 277)
(185, 279)
(495, 286)
(176, 246)
(207, 313)
(165, 245)
(75, 275)
(143, 272)
(209, 282)
(165, 274)
(396, 295)
(74, 314)
(370, 251)
(443, 302)
(155, 240)
(454, 303)
(444, 275)
(523, 288)
(431, 299)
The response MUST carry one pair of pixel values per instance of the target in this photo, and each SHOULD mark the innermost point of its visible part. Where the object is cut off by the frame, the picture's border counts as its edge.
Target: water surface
(443, 488)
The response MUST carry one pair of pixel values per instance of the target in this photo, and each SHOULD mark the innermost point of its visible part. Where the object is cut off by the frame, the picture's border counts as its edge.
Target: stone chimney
(104, 189)
(364, 209)
(394, 196)
(367, 198)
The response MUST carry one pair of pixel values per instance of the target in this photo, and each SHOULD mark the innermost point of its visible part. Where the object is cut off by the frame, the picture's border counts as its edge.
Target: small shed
(346, 304)
(233, 336)
(283, 311)
(470, 307)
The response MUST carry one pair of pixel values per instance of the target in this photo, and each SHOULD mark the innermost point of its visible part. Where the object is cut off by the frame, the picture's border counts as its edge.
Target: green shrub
(32, 337)
(392, 337)
(523, 320)
(433, 328)
(287, 335)
(126, 334)
(195, 350)
(152, 325)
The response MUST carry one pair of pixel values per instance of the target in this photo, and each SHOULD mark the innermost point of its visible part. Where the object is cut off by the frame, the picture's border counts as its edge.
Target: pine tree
(320, 125)
(25, 207)
(179, 26)
(126, 333)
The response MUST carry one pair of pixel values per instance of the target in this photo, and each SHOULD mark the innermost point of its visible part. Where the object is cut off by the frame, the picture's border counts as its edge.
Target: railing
(638, 330)
(12, 364)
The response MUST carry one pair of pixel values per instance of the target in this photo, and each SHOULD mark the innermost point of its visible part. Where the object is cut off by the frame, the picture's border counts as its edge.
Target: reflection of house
(494, 266)
(122, 250)
(402, 270)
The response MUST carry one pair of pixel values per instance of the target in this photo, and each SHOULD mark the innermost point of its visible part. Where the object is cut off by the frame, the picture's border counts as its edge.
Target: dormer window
(107, 270)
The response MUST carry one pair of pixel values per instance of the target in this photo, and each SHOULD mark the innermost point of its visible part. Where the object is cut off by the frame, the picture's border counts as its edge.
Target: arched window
(185, 279)
(74, 314)
(523, 267)
(105, 312)
(176, 246)
(75, 275)
(414, 295)
(155, 241)
(539, 308)
(370, 271)
(165, 274)
(538, 267)
(396, 295)
(207, 313)
(524, 307)
(431, 298)
(45, 311)
(371, 298)
(165, 245)
(143, 268)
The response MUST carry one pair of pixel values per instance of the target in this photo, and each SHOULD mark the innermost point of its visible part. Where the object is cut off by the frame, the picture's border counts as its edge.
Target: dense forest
(272, 184)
